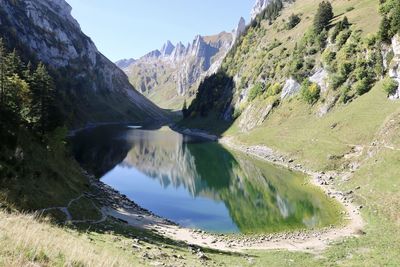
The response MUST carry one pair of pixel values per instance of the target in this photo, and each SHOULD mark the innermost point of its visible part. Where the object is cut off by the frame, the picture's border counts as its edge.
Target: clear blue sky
(131, 28)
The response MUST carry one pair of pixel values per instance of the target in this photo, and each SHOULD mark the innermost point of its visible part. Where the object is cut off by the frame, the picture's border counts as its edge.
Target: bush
(337, 80)
(345, 68)
(310, 92)
(340, 26)
(274, 89)
(328, 57)
(342, 38)
(344, 97)
(293, 21)
(390, 86)
(363, 86)
(255, 91)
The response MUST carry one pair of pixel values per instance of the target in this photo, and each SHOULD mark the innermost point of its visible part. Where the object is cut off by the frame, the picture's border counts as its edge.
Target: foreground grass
(24, 241)
(28, 241)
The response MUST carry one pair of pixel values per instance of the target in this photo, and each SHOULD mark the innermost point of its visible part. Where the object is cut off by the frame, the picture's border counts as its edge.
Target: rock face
(394, 68)
(259, 6)
(320, 77)
(254, 116)
(173, 73)
(124, 63)
(240, 29)
(290, 88)
(47, 30)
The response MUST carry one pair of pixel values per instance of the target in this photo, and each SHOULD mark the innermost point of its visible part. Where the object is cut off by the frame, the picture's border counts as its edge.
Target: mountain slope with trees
(324, 93)
(90, 88)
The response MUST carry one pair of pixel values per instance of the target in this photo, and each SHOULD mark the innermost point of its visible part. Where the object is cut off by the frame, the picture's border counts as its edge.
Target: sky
(131, 28)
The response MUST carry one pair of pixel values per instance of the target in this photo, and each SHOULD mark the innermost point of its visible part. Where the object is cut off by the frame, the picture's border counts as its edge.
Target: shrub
(342, 38)
(274, 89)
(340, 26)
(310, 92)
(328, 56)
(293, 21)
(255, 91)
(344, 97)
(345, 69)
(384, 29)
(337, 80)
(390, 86)
(363, 86)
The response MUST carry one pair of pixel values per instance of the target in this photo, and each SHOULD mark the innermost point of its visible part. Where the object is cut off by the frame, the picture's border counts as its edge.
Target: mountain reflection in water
(200, 184)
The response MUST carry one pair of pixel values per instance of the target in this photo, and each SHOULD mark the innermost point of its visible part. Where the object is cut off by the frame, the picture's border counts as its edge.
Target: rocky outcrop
(241, 28)
(394, 67)
(290, 88)
(48, 31)
(258, 7)
(167, 49)
(124, 63)
(175, 71)
(254, 116)
(320, 77)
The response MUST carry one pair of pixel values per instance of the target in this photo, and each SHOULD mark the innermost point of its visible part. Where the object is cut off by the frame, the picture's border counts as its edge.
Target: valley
(274, 144)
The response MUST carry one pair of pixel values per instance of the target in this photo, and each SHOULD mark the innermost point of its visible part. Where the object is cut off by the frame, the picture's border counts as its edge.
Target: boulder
(290, 88)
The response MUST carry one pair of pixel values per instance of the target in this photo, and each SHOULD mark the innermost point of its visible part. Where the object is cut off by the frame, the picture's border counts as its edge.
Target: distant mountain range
(171, 75)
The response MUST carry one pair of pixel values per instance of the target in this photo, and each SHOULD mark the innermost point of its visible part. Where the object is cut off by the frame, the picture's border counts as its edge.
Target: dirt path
(69, 218)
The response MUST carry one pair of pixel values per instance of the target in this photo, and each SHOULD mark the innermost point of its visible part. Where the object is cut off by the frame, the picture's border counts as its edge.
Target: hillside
(90, 87)
(308, 86)
(326, 100)
(171, 75)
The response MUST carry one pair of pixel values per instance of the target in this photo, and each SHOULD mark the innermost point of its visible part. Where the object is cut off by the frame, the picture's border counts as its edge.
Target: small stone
(202, 256)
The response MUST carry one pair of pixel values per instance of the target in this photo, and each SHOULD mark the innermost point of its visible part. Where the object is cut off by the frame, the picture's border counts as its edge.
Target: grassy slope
(320, 143)
(38, 178)
(294, 129)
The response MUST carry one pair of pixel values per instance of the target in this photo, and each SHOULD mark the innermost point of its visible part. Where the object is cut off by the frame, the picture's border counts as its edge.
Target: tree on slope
(43, 98)
(323, 17)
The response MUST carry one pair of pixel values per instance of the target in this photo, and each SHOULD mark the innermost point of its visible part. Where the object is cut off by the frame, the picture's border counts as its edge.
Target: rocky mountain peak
(56, 6)
(259, 6)
(125, 63)
(167, 49)
(178, 69)
(198, 46)
(178, 52)
(153, 54)
(241, 27)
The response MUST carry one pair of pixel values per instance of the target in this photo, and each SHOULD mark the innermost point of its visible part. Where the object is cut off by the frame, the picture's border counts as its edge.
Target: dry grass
(24, 241)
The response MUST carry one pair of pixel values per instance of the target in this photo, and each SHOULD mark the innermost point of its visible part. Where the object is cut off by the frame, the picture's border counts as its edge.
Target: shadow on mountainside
(211, 110)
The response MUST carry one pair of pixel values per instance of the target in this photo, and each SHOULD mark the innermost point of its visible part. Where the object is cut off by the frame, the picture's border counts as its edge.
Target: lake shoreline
(118, 206)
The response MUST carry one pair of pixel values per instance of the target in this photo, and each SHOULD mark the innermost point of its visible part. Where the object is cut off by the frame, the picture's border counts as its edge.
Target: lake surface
(201, 184)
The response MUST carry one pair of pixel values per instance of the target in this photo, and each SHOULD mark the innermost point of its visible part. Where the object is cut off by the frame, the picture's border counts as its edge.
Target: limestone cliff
(90, 82)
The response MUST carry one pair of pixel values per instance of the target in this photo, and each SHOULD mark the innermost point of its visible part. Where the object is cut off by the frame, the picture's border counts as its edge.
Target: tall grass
(27, 241)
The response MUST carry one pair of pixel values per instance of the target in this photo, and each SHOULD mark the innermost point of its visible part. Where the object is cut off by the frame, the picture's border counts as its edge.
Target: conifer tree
(43, 98)
(2, 73)
(323, 17)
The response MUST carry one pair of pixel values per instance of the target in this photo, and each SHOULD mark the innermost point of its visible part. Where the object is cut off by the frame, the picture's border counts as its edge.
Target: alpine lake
(201, 184)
